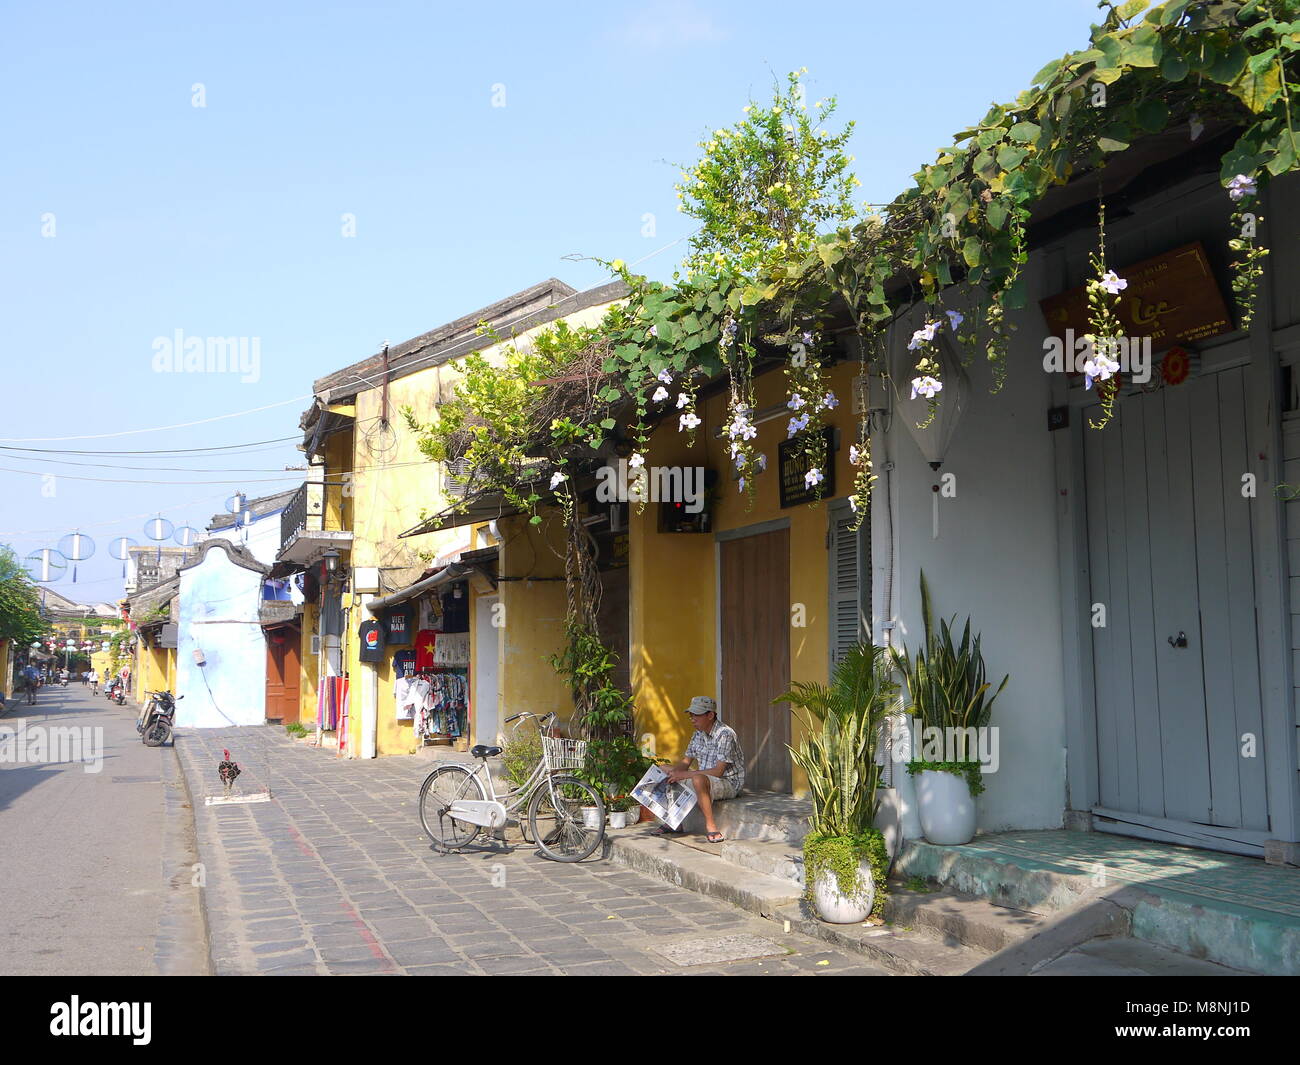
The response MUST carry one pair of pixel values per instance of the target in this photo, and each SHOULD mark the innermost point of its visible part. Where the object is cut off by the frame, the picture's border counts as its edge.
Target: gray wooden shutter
(850, 580)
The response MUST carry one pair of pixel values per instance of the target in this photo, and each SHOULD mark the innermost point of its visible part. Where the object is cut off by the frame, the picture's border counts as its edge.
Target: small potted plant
(947, 690)
(845, 859)
(618, 811)
(614, 767)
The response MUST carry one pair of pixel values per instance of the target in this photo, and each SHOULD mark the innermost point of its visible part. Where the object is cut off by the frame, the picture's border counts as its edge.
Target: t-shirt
(424, 643)
(404, 662)
(720, 745)
(398, 625)
(371, 636)
(405, 697)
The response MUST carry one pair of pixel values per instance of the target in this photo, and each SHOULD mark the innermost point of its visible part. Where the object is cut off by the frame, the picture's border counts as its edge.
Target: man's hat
(702, 704)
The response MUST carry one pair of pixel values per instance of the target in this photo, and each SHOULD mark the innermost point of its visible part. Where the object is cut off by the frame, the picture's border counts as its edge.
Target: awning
(487, 506)
(446, 575)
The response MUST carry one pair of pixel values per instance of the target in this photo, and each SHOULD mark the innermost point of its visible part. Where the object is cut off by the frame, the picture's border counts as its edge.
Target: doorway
(282, 674)
(1175, 645)
(754, 622)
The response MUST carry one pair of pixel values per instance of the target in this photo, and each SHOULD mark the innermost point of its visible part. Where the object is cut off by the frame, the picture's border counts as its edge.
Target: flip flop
(664, 830)
(716, 837)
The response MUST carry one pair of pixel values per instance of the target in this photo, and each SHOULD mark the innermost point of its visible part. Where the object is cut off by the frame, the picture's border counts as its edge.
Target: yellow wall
(6, 668)
(674, 580)
(309, 666)
(393, 487)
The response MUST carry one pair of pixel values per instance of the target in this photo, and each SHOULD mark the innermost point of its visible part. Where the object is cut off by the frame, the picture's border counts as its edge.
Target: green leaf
(609, 366)
(1285, 159)
(972, 251)
(1228, 64)
(1139, 55)
(1173, 11)
(1109, 144)
(990, 137)
(1131, 8)
(1009, 157)
(996, 214)
(1024, 132)
(1174, 67)
(1152, 115)
(1047, 73)
(1258, 91)
(607, 423)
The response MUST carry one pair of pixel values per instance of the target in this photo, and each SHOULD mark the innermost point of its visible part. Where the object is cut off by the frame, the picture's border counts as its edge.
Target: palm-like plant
(946, 682)
(838, 754)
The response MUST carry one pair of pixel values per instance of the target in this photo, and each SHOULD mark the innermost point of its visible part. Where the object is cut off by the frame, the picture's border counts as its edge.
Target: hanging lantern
(120, 549)
(934, 434)
(159, 528)
(186, 535)
(45, 565)
(76, 547)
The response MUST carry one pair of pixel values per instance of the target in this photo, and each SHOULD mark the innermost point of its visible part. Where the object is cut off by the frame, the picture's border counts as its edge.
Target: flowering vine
(1101, 363)
(1248, 262)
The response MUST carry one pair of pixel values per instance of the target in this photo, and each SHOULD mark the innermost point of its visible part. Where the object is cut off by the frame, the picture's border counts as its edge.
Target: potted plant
(947, 690)
(614, 768)
(845, 859)
(618, 811)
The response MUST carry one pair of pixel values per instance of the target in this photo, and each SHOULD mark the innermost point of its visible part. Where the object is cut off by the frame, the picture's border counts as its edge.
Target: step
(955, 918)
(642, 850)
(775, 858)
(1130, 957)
(1194, 926)
(764, 816)
(902, 950)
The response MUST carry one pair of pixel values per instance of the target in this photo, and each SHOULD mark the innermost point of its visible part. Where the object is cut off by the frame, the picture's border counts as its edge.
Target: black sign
(794, 471)
(1057, 418)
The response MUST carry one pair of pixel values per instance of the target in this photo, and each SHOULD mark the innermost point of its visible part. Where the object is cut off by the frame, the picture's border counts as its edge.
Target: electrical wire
(121, 480)
(252, 444)
(153, 429)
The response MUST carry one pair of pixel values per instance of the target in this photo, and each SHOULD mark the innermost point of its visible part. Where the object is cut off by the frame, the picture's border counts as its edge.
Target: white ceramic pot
(946, 806)
(591, 816)
(618, 819)
(835, 907)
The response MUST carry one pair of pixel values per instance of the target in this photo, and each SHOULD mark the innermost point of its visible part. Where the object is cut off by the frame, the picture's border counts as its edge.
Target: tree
(20, 607)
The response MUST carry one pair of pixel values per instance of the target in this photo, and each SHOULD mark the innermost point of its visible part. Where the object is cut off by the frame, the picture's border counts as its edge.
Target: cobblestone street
(335, 876)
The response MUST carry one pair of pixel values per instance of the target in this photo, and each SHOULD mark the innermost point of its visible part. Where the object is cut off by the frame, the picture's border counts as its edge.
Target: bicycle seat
(480, 751)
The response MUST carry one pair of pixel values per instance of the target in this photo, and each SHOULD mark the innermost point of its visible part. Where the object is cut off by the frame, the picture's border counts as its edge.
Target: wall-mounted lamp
(331, 560)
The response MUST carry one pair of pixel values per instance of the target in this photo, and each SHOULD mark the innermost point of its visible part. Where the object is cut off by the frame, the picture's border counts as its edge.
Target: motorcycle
(63, 682)
(155, 726)
(116, 691)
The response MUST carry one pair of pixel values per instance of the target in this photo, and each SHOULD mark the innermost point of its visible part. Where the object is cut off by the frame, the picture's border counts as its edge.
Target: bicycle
(566, 816)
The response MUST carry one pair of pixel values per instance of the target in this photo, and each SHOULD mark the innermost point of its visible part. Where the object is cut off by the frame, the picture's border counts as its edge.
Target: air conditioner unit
(315, 646)
(455, 481)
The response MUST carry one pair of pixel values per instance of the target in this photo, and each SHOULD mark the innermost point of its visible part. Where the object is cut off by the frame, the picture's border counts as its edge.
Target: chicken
(228, 770)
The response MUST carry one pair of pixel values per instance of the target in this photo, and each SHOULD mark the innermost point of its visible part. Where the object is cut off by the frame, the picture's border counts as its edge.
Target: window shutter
(850, 580)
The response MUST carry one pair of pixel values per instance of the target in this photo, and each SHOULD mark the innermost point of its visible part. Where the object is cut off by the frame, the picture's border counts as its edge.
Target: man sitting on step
(716, 750)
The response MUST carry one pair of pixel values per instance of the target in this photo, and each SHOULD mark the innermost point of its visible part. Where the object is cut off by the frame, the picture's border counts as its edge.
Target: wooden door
(282, 675)
(755, 623)
(1176, 663)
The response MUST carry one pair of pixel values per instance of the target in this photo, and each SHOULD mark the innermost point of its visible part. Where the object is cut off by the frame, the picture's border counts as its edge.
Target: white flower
(955, 318)
(796, 401)
(557, 478)
(653, 331)
(1099, 366)
(853, 504)
(925, 386)
(741, 484)
(1240, 187)
(665, 375)
(760, 460)
(735, 448)
(742, 427)
(687, 421)
(1113, 283)
(813, 477)
(854, 454)
(660, 395)
(923, 335)
(830, 401)
(636, 460)
(796, 424)
(682, 400)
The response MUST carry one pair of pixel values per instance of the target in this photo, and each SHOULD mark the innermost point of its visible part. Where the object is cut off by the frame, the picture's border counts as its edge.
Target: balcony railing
(294, 517)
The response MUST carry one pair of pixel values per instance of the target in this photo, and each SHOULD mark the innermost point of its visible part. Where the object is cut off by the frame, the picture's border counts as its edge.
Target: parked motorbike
(155, 727)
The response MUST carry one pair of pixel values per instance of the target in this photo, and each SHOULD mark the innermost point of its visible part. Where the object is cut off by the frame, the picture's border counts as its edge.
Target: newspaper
(668, 802)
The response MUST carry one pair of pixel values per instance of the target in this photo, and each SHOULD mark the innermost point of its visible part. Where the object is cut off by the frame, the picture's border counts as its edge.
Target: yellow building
(365, 510)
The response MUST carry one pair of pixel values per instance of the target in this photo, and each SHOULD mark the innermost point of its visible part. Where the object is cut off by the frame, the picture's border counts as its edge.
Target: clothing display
(371, 636)
(404, 662)
(425, 641)
(397, 625)
(331, 702)
(440, 702)
(406, 694)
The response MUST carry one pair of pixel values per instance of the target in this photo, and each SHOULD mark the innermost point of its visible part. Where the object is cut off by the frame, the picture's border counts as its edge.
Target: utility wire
(154, 429)
(155, 451)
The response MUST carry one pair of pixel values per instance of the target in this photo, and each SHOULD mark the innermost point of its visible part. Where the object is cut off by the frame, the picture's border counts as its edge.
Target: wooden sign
(1172, 298)
(794, 466)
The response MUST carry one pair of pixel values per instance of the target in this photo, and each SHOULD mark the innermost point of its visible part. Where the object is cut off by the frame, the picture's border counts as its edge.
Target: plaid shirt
(720, 745)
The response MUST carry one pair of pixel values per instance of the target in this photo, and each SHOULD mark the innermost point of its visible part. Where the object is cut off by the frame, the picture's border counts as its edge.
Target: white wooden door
(1176, 663)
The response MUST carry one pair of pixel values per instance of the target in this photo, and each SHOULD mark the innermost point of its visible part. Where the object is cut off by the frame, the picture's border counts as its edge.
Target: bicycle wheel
(557, 820)
(441, 788)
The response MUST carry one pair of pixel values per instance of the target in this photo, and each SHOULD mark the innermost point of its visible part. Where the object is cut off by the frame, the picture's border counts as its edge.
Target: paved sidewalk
(335, 876)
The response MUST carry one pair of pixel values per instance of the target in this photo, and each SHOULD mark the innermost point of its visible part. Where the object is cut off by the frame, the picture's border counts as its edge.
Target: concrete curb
(180, 851)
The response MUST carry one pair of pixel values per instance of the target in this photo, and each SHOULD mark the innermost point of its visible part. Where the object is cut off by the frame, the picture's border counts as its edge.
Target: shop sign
(794, 468)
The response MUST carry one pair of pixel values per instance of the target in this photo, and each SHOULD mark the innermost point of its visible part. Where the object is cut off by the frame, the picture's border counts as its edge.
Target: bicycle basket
(564, 753)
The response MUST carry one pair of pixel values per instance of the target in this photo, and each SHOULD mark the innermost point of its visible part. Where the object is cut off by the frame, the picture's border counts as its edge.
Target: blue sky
(227, 219)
